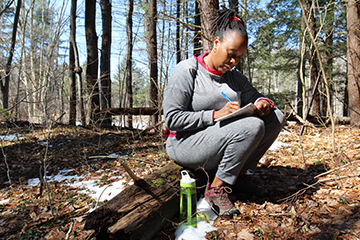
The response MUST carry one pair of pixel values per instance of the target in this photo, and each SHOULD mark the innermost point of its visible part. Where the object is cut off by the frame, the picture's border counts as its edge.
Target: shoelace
(223, 191)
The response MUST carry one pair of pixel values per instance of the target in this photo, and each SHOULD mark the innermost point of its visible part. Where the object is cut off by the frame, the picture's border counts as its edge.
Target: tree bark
(328, 52)
(353, 55)
(105, 78)
(178, 40)
(128, 69)
(92, 61)
(301, 97)
(72, 75)
(5, 85)
(142, 209)
(313, 59)
(208, 9)
(153, 58)
(197, 38)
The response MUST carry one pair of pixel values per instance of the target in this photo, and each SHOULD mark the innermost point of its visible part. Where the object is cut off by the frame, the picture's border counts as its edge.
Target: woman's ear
(216, 42)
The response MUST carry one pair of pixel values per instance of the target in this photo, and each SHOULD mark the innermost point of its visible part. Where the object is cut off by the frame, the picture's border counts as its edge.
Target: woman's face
(227, 53)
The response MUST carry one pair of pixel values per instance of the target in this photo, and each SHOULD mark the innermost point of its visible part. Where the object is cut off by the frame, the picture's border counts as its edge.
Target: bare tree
(5, 84)
(353, 54)
(128, 68)
(152, 51)
(72, 76)
(178, 39)
(92, 61)
(313, 59)
(197, 38)
(105, 78)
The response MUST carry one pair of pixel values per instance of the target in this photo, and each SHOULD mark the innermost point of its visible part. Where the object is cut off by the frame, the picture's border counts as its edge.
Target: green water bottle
(188, 199)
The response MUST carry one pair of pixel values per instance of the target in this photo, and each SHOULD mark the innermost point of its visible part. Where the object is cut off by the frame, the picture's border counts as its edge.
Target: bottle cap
(186, 180)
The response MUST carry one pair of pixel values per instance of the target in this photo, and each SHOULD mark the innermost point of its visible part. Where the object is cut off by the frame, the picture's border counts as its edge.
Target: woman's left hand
(263, 107)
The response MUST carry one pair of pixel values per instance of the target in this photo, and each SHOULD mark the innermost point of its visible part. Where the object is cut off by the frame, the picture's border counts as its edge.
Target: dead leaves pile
(323, 202)
(314, 188)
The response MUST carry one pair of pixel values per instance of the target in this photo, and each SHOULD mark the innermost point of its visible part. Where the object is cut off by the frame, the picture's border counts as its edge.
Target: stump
(140, 211)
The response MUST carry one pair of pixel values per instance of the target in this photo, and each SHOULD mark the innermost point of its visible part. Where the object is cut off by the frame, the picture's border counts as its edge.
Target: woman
(194, 99)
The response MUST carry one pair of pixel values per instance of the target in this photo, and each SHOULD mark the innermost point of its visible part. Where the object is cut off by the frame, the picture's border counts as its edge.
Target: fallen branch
(137, 181)
(335, 169)
(301, 191)
(145, 130)
(128, 158)
(70, 230)
(138, 134)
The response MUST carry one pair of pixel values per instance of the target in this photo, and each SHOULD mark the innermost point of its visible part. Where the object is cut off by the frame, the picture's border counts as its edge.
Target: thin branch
(70, 230)
(189, 26)
(335, 169)
(7, 6)
(301, 191)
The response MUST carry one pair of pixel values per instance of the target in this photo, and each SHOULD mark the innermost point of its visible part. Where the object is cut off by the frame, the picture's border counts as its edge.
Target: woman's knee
(250, 126)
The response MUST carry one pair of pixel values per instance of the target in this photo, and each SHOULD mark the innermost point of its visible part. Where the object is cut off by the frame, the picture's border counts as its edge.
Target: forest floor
(314, 188)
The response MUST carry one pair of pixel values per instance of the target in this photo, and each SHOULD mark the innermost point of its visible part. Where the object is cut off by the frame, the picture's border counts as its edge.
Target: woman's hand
(229, 107)
(263, 107)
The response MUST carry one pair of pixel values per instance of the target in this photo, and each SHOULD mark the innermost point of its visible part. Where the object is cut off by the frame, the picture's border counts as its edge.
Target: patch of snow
(104, 193)
(198, 233)
(32, 182)
(10, 137)
(5, 201)
(117, 155)
(44, 143)
(89, 187)
(277, 145)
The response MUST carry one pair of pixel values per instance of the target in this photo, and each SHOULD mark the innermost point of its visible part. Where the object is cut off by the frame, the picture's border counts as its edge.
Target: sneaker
(219, 201)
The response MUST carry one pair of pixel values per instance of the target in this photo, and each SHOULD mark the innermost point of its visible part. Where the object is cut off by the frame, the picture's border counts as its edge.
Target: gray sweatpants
(227, 146)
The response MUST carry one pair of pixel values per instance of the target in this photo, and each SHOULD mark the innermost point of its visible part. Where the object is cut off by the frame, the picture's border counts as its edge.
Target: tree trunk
(30, 83)
(208, 9)
(353, 55)
(105, 78)
(141, 210)
(5, 85)
(92, 61)
(328, 53)
(178, 40)
(72, 75)
(153, 58)
(128, 68)
(313, 59)
(301, 97)
(197, 38)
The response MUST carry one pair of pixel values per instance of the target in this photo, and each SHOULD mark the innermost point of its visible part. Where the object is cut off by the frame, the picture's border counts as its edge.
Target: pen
(226, 97)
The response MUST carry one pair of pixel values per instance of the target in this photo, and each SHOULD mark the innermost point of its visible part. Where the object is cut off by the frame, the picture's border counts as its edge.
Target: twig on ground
(70, 230)
(98, 200)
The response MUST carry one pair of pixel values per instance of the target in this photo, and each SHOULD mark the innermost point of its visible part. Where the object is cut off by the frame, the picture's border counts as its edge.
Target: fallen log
(140, 212)
(132, 111)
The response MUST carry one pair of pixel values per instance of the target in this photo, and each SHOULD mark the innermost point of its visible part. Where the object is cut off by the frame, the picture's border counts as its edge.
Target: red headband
(236, 19)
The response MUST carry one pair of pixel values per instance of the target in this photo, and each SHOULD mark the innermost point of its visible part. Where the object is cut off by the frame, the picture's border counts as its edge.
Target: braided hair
(227, 20)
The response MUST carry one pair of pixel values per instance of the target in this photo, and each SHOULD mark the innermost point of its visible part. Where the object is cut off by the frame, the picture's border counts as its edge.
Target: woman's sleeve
(177, 101)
